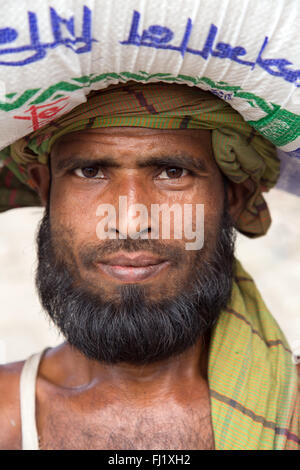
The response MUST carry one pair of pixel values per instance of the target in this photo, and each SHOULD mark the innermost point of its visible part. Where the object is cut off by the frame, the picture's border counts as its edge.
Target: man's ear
(40, 177)
(237, 194)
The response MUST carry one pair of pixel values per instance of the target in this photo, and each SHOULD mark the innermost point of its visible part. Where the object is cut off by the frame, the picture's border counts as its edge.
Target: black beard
(134, 329)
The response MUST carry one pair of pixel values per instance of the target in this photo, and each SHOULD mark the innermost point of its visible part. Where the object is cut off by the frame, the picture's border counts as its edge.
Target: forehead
(135, 142)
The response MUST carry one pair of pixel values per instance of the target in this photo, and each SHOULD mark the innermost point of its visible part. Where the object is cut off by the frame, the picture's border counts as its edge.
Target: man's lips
(132, 259)
(132, 267)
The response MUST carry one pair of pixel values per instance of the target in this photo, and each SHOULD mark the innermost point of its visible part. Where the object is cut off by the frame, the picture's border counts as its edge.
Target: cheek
(209, 193)
(73, 212)
(213, 208)
(206, 220)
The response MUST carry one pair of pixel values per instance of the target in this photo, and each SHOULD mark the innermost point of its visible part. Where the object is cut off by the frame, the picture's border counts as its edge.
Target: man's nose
(133, 209)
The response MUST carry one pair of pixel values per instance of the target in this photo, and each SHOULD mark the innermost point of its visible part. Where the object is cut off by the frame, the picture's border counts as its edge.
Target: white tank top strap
(28, 377)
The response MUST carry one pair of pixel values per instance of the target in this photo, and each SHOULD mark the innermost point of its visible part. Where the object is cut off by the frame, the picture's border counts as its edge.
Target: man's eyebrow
(81, 162)
(181, 160)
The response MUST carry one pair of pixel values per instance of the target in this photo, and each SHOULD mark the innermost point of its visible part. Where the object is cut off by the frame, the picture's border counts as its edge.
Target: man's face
(123, 299)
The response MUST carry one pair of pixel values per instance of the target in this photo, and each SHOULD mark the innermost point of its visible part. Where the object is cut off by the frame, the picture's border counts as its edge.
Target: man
(166, 347)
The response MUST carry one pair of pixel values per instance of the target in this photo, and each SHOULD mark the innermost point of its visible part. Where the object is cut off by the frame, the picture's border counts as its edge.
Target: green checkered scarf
(252, 378)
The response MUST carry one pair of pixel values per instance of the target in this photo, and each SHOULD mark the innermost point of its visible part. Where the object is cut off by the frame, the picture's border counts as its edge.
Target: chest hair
(187, 429)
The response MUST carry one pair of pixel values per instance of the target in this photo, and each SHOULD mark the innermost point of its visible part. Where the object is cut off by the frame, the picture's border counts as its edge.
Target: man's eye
(91, 172)
(173, 173)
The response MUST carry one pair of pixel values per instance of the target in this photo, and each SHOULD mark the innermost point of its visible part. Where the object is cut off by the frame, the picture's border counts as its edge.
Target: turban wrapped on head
(241, 153)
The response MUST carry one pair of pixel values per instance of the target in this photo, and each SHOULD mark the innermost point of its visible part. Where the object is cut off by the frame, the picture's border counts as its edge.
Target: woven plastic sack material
(53, 53)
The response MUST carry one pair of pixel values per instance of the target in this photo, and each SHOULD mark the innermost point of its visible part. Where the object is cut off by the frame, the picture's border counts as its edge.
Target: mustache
(91, 253)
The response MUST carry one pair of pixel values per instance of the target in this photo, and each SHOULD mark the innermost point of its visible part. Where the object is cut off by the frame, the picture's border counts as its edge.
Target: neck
(186, 368)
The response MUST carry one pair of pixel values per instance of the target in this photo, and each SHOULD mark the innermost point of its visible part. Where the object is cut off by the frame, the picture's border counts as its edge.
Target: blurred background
(273, 261)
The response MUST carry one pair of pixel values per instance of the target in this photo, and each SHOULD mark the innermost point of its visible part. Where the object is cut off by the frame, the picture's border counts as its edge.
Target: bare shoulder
(10, 420)
(10, 416)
